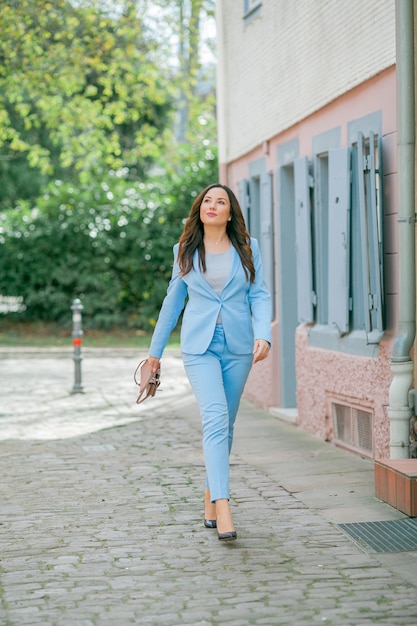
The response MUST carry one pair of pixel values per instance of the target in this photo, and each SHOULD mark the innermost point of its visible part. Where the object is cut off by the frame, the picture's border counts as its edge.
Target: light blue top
(218, 269)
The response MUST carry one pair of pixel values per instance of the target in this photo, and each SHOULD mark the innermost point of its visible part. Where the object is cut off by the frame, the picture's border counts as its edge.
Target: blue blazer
(245, 308)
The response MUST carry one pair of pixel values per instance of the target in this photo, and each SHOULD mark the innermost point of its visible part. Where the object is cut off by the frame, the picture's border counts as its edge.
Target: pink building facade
(317, 182)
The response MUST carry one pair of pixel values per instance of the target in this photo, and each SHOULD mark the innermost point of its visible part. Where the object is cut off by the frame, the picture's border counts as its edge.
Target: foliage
(109, 244)
(183, 20)
(81, 92)
(94, 186)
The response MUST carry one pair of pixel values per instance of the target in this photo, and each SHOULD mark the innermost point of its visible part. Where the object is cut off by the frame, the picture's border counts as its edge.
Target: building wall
(292, 72)
(326, 376)
(292, 59)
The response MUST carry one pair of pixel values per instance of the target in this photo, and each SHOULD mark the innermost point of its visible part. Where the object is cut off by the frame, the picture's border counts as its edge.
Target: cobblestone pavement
(101, 512)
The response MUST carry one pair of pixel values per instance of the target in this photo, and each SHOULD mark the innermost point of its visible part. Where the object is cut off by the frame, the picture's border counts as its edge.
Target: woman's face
(215, 207)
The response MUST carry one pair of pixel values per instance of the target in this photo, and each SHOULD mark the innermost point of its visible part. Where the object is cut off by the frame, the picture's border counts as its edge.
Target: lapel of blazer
(200, 276)
(234, 268)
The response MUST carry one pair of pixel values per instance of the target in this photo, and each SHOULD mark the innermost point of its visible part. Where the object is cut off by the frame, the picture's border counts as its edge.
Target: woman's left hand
(260, 350)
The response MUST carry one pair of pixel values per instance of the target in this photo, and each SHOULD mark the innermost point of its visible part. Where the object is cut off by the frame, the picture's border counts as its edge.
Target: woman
(225, 329)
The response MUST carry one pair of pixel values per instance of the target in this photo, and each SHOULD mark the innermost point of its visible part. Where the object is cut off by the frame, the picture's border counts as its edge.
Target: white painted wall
(291, 60)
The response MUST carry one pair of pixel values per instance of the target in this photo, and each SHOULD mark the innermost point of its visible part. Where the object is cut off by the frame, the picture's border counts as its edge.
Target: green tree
(195, 80)
(104, 221)
(80, 93)
(108, 243)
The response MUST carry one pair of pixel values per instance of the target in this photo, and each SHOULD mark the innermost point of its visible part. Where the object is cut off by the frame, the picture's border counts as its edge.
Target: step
(396, 484)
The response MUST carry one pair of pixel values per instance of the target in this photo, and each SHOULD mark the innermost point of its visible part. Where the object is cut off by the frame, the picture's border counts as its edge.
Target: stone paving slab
(101, 514)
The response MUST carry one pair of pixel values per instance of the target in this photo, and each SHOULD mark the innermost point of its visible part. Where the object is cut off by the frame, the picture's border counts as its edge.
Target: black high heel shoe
(210, 523)
(230, 536)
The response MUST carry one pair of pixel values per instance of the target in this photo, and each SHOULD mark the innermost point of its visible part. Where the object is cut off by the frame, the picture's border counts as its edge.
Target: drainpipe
(399, 411)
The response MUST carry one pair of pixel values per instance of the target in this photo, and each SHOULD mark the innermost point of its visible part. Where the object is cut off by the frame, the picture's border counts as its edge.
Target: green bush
(108, 243)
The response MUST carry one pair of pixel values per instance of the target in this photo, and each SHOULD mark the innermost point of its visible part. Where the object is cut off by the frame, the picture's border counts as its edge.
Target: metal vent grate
(363, 433)
(353, 428)
(393, 536)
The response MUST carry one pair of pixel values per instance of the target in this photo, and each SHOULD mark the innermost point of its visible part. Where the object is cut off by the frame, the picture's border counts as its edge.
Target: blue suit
(217, 358)
(245, 309)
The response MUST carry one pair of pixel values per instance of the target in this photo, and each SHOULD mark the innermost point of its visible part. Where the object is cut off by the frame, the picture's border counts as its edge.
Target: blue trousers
(218, 378)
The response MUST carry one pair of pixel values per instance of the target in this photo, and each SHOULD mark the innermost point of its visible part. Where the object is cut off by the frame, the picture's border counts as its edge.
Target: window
(255, 199)
(353, 428)
(306, 298)
(338, 241)
(286, 269)
(339, 224)
(251, 8)
(322, 144)
(367, 210)
(321, 231)
(254, 217)
(251, 5)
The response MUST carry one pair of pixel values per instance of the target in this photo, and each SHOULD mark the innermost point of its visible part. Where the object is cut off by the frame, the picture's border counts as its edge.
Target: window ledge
(357, 342)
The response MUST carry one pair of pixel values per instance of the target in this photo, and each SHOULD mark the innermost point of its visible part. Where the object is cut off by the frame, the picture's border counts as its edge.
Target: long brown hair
(192, 235)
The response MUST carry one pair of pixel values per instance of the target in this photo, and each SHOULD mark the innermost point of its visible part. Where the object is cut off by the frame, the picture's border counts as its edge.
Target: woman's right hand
(154, 363)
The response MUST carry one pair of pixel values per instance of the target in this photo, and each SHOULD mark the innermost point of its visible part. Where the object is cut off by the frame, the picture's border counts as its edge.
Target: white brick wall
(293, 59)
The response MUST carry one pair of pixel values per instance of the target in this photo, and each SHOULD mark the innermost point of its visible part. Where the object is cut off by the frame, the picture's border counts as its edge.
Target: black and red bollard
(77, 340)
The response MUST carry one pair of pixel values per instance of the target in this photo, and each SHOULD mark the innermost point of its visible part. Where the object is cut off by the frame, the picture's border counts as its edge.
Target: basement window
(353, 428)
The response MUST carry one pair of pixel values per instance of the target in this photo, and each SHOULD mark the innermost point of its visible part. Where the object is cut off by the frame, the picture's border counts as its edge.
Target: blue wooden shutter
(303, 246)
(243, 191)
(339, 238)
(266, 239)
(361, 166)
(375, 219)
(371, 236)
